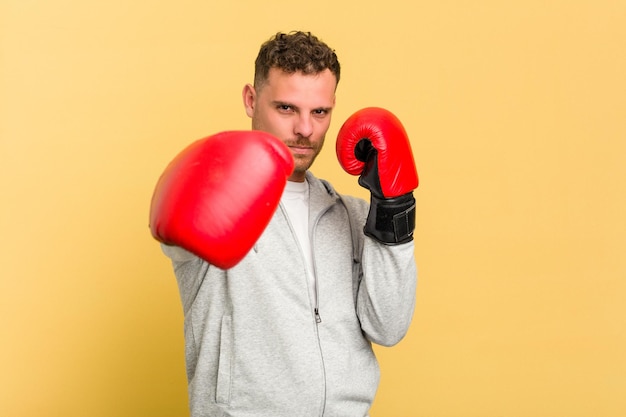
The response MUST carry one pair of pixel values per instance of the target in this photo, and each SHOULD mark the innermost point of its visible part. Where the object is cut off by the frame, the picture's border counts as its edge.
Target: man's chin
(300, 168)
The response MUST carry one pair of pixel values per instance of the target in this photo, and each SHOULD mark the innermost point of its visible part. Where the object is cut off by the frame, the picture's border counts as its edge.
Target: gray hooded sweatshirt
(256, 346)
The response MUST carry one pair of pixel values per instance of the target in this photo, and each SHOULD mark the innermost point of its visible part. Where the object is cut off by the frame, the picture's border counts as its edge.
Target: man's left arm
(386, 294)
(373, 144)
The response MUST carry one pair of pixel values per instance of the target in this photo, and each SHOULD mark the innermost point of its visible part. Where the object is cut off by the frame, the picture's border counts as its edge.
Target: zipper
(316, 313)
(316, 309)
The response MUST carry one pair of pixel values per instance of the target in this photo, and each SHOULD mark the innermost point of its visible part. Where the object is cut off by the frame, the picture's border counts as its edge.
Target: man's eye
(320, 112)
(284, 107)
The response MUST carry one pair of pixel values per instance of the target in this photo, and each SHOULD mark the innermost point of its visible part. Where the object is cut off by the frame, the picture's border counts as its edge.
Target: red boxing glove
(217, 196)
(373, 144)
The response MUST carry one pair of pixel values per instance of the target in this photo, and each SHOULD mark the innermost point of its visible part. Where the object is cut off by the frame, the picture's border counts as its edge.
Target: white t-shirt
(295, 199)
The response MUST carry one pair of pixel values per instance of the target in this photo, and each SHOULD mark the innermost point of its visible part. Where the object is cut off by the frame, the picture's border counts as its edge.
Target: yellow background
(516, 113)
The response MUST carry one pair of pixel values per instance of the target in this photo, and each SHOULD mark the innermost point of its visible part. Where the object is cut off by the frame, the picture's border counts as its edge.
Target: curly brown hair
(292, 52)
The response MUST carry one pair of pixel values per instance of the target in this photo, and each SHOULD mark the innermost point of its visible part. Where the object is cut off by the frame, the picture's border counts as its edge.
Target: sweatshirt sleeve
(189, 270)
(176, 253)
(386, 281)
(386, 294)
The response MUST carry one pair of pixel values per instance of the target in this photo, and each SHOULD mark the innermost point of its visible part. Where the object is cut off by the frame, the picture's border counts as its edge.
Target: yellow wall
(516, 112)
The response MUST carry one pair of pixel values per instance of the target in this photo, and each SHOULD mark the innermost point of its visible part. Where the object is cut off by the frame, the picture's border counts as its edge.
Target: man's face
(296, 108)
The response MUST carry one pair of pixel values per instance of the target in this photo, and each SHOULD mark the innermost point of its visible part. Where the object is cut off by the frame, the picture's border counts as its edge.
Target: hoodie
(255, 343)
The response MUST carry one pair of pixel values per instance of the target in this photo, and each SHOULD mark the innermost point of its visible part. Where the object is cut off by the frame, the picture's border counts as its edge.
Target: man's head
(293, 95)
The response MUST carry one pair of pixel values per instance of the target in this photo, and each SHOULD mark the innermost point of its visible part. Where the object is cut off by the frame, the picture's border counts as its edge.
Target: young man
(287, 331)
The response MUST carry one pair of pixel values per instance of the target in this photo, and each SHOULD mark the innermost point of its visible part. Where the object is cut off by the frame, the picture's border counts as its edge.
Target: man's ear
(249, 99)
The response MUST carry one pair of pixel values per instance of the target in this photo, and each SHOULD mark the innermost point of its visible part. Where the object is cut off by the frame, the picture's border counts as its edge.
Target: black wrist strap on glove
(391, 220)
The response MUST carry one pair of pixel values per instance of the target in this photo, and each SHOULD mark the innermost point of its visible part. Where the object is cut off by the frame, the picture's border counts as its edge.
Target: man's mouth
(300, 149)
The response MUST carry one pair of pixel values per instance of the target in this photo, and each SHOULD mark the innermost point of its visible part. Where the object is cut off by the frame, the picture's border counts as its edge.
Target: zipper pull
(318, 319)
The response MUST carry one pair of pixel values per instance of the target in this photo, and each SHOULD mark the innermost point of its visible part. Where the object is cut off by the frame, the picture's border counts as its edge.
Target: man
(287, 330)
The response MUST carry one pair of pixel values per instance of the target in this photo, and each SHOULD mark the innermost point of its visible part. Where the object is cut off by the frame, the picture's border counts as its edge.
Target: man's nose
(304, 126)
